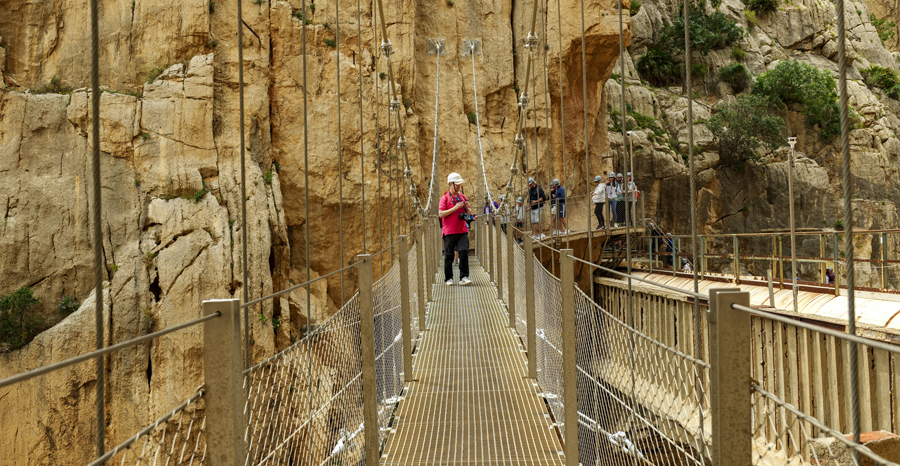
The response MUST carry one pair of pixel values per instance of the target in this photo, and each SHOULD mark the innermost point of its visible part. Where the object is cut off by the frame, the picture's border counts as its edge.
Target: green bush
(18, 322)
(634, 7)
(67, 305)
(738, 54)
(744, 126)
(699, 71)
(736, 75)
(762, 6)
(750, 16)
(883, 78)
(885, 29)
(472, 118)
(708, 32)
(658, 67)
(53, 87)
(792, 82)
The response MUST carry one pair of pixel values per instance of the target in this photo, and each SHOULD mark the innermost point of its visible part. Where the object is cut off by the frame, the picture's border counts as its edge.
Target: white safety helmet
(555, 182)
(530, 180)
(618, 175)
(519, 200)
(629, 173)
(598, 179)
(612, 174)
(454, 178)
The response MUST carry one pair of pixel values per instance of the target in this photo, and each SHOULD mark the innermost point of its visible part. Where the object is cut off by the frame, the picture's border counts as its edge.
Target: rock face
(171, 169)
(756, 199)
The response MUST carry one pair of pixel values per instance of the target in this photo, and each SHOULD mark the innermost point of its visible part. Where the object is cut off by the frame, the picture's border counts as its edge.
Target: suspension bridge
(561, 352)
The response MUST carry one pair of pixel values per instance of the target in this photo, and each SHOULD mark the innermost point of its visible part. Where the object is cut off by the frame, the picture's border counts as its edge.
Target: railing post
(771, 290)
(737, 267)
(222, 368)
(499, 237)
(404, 309)
(730, 372)
(837, 271)
(822, 257)
(428, 235)
(530, 338)
(511, 274)
(420, 278)
(884, 259)
(367, 359)
(780, 262)
(570, 389)
(490, 241)
(702, 258)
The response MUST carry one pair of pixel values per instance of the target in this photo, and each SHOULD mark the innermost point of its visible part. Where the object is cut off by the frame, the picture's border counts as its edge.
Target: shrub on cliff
(884, 79)
(708, 32)
(793, 82)
(18, 321)
(658, 67)
(736, 75)
(744, 126)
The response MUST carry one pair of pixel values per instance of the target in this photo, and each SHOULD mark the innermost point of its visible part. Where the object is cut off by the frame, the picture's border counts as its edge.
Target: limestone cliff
(170, 145)
(756, 199)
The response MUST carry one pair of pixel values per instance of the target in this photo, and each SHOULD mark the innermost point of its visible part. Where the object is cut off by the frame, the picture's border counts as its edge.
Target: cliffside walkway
(471, 403)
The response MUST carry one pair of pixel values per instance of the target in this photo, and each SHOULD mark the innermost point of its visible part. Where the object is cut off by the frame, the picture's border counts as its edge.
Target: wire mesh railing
(549, 336)
(178, 438)
(304, 404)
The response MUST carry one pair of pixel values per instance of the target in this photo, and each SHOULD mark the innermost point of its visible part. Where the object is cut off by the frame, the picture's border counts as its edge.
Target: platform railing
(746, 386)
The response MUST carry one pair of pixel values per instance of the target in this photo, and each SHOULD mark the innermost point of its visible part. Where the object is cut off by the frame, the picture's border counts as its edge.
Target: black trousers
(456, 242)
(598, 212)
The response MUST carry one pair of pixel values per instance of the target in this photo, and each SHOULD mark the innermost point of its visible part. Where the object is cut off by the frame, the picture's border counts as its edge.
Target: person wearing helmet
(829, 276)
(536, 197)
(620, 204)
(598, 198)
(612, 194)
(504, 213)
(685, 265)
(631, 193)
(558, 209)
(520, 213)
(454, 210)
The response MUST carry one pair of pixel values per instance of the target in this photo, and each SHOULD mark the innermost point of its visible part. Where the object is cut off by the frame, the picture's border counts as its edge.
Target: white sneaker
(449, 282)
(465, 281)
(455, 261)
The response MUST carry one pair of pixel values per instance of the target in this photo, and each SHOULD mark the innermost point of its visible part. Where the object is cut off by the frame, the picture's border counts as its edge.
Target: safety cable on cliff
(387, 50)
(473, 47)
(96, 211)
(531, 41)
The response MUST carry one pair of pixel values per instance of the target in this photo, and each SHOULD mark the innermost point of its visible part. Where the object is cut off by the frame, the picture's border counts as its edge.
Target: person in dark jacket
(558, 210)
(536, 197)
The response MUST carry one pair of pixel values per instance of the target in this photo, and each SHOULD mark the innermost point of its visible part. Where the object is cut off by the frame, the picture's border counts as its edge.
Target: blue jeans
(612, 207)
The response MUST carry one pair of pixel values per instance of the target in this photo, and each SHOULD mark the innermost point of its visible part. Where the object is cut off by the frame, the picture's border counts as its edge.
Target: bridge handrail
(145, 431)
(302, 285)
(109, 349)
(818, 328)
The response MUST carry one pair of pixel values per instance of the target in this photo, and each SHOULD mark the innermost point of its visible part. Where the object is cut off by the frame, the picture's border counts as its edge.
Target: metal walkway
(471, 403)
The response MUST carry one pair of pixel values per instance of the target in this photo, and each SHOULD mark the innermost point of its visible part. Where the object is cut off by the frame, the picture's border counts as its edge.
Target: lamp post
(792, 141)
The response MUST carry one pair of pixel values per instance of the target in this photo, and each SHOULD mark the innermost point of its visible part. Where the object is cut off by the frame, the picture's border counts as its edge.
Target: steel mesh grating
(471, 403)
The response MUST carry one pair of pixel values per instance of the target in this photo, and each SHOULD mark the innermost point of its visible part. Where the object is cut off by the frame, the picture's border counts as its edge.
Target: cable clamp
(401, 143)
(386, 48)
(395, 104)
(524, 100)
(520, 143)
(531, 41)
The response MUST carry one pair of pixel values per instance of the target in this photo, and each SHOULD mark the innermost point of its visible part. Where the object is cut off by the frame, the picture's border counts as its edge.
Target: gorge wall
(171, 171)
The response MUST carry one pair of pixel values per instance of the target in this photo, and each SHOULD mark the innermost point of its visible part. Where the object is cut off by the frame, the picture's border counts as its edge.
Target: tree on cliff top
(744, 126)
(18, 322)
(793, 82)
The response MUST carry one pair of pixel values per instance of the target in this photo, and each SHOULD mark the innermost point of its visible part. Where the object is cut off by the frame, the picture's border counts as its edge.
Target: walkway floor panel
(471, 403)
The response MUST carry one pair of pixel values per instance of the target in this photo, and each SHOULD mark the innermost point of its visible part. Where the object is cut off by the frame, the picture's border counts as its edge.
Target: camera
(467, 217)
